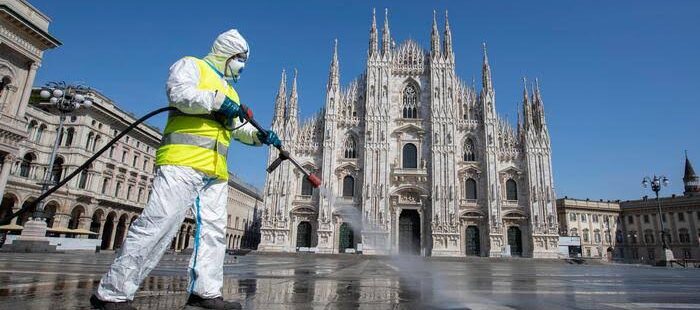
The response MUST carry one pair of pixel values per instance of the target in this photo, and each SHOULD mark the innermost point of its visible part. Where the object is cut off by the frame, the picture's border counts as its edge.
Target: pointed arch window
(350, 147)
(469, 150)
(470, 188)
(410, 102)
(511, 190)
(348, 186)
(39, 133)
(82, 183)
(410, 156)
(306, 188)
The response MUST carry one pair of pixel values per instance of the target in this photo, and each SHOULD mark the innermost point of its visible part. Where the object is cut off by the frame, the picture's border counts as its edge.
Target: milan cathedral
(413, 161)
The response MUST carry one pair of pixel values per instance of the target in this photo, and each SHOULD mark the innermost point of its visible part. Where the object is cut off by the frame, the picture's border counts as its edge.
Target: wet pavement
(65, 281)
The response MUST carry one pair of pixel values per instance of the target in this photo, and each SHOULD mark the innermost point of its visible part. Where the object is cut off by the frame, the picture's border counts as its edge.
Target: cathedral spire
(334, 74)
(448, 38)
(386, 34)
(281, 100)
(539, 104)
(293, 106)
(373, 36)
(690, 179)
(435, 37)
(487, 83)
(527, 107)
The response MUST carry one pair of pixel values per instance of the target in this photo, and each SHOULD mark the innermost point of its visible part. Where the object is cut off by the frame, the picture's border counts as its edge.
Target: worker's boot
(96, 303)
(196, 302)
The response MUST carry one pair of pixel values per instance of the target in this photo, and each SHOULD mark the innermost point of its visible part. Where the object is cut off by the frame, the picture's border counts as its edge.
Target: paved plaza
(65, 281)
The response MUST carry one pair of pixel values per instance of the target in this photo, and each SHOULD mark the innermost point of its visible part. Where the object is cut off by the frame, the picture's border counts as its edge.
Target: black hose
(6, 220)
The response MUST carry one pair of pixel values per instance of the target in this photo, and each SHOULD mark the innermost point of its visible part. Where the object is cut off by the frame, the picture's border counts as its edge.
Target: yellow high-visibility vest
(198, 141)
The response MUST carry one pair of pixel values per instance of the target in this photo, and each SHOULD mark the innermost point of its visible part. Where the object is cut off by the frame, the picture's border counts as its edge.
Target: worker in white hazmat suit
(192, 174)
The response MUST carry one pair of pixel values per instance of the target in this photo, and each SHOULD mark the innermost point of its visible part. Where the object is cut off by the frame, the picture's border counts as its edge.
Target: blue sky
(619, 79)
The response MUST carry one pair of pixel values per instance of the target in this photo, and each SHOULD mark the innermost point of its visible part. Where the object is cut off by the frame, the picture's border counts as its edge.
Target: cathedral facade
(413, 161)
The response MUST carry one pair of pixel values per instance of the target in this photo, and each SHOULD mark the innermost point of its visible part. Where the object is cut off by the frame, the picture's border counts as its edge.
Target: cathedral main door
(515, 241)
(409, 232)
(473, 244)
(346, 238)
(304, 235)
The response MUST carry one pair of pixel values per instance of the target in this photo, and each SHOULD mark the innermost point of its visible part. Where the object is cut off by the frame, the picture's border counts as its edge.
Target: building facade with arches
(108, 196)
(413, 160)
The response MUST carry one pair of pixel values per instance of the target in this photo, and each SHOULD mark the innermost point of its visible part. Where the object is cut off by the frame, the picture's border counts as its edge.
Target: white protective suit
(177, 189)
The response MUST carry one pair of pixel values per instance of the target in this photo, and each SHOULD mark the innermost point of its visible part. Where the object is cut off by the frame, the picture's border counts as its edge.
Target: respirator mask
(234, 66)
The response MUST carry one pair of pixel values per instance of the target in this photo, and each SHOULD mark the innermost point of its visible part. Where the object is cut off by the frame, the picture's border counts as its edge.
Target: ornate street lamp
(656, 183)
(66, 99)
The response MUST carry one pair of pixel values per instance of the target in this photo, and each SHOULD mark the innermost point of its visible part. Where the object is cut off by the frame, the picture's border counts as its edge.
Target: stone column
(5, 172)
(177, 241)
(113, 235)
(84, 223)
(26, 92)
(102, 229)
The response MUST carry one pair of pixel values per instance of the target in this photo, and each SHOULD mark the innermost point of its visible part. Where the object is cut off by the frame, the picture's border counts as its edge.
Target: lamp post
(656, 183)
(66, 99)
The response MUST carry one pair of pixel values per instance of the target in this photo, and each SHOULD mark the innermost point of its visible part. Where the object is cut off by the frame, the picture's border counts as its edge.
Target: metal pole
(663, 230)
(39, 213)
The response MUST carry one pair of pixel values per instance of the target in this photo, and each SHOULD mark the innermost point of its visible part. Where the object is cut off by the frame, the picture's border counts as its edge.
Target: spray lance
(247, 116)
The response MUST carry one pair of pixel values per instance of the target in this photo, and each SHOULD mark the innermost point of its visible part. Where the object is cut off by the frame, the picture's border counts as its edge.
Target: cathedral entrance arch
(304, 235)
(346, 238)
(473, 243)
(515, 241)
(409, 232)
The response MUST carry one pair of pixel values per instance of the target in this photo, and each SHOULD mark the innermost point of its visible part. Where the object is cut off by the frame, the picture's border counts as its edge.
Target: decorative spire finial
(434, 37)
(386, 34)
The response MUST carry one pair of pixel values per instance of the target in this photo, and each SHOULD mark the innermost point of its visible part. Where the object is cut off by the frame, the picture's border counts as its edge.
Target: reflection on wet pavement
(65, 281)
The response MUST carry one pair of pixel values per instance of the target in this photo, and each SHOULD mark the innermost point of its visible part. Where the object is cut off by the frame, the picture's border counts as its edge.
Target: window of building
(572, 217)
(39, 133)
(588, 252)
(630, 219)
(646, 218)
(117, 189)
(683, 235)
(594, 217)
(124, 156)
(470, 189)
(111, 152)
(91, 136)
(82, 183)
(105, 185)
(410, 102)
(57, 170)
(608, 237)
(69, 136)
(26, 165)
(410, 156)
(596, 236)
(348, 186)
(128, 192)
(648, 236)
(349, 147)
(469, 150)
(511, 190)
(584, 218)
(133, 162)
(681, 217)
(606, 219)
(586, 236)
(237, 220)
(140, 196)
(96, 144)
(306, 188)
(574, 232)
